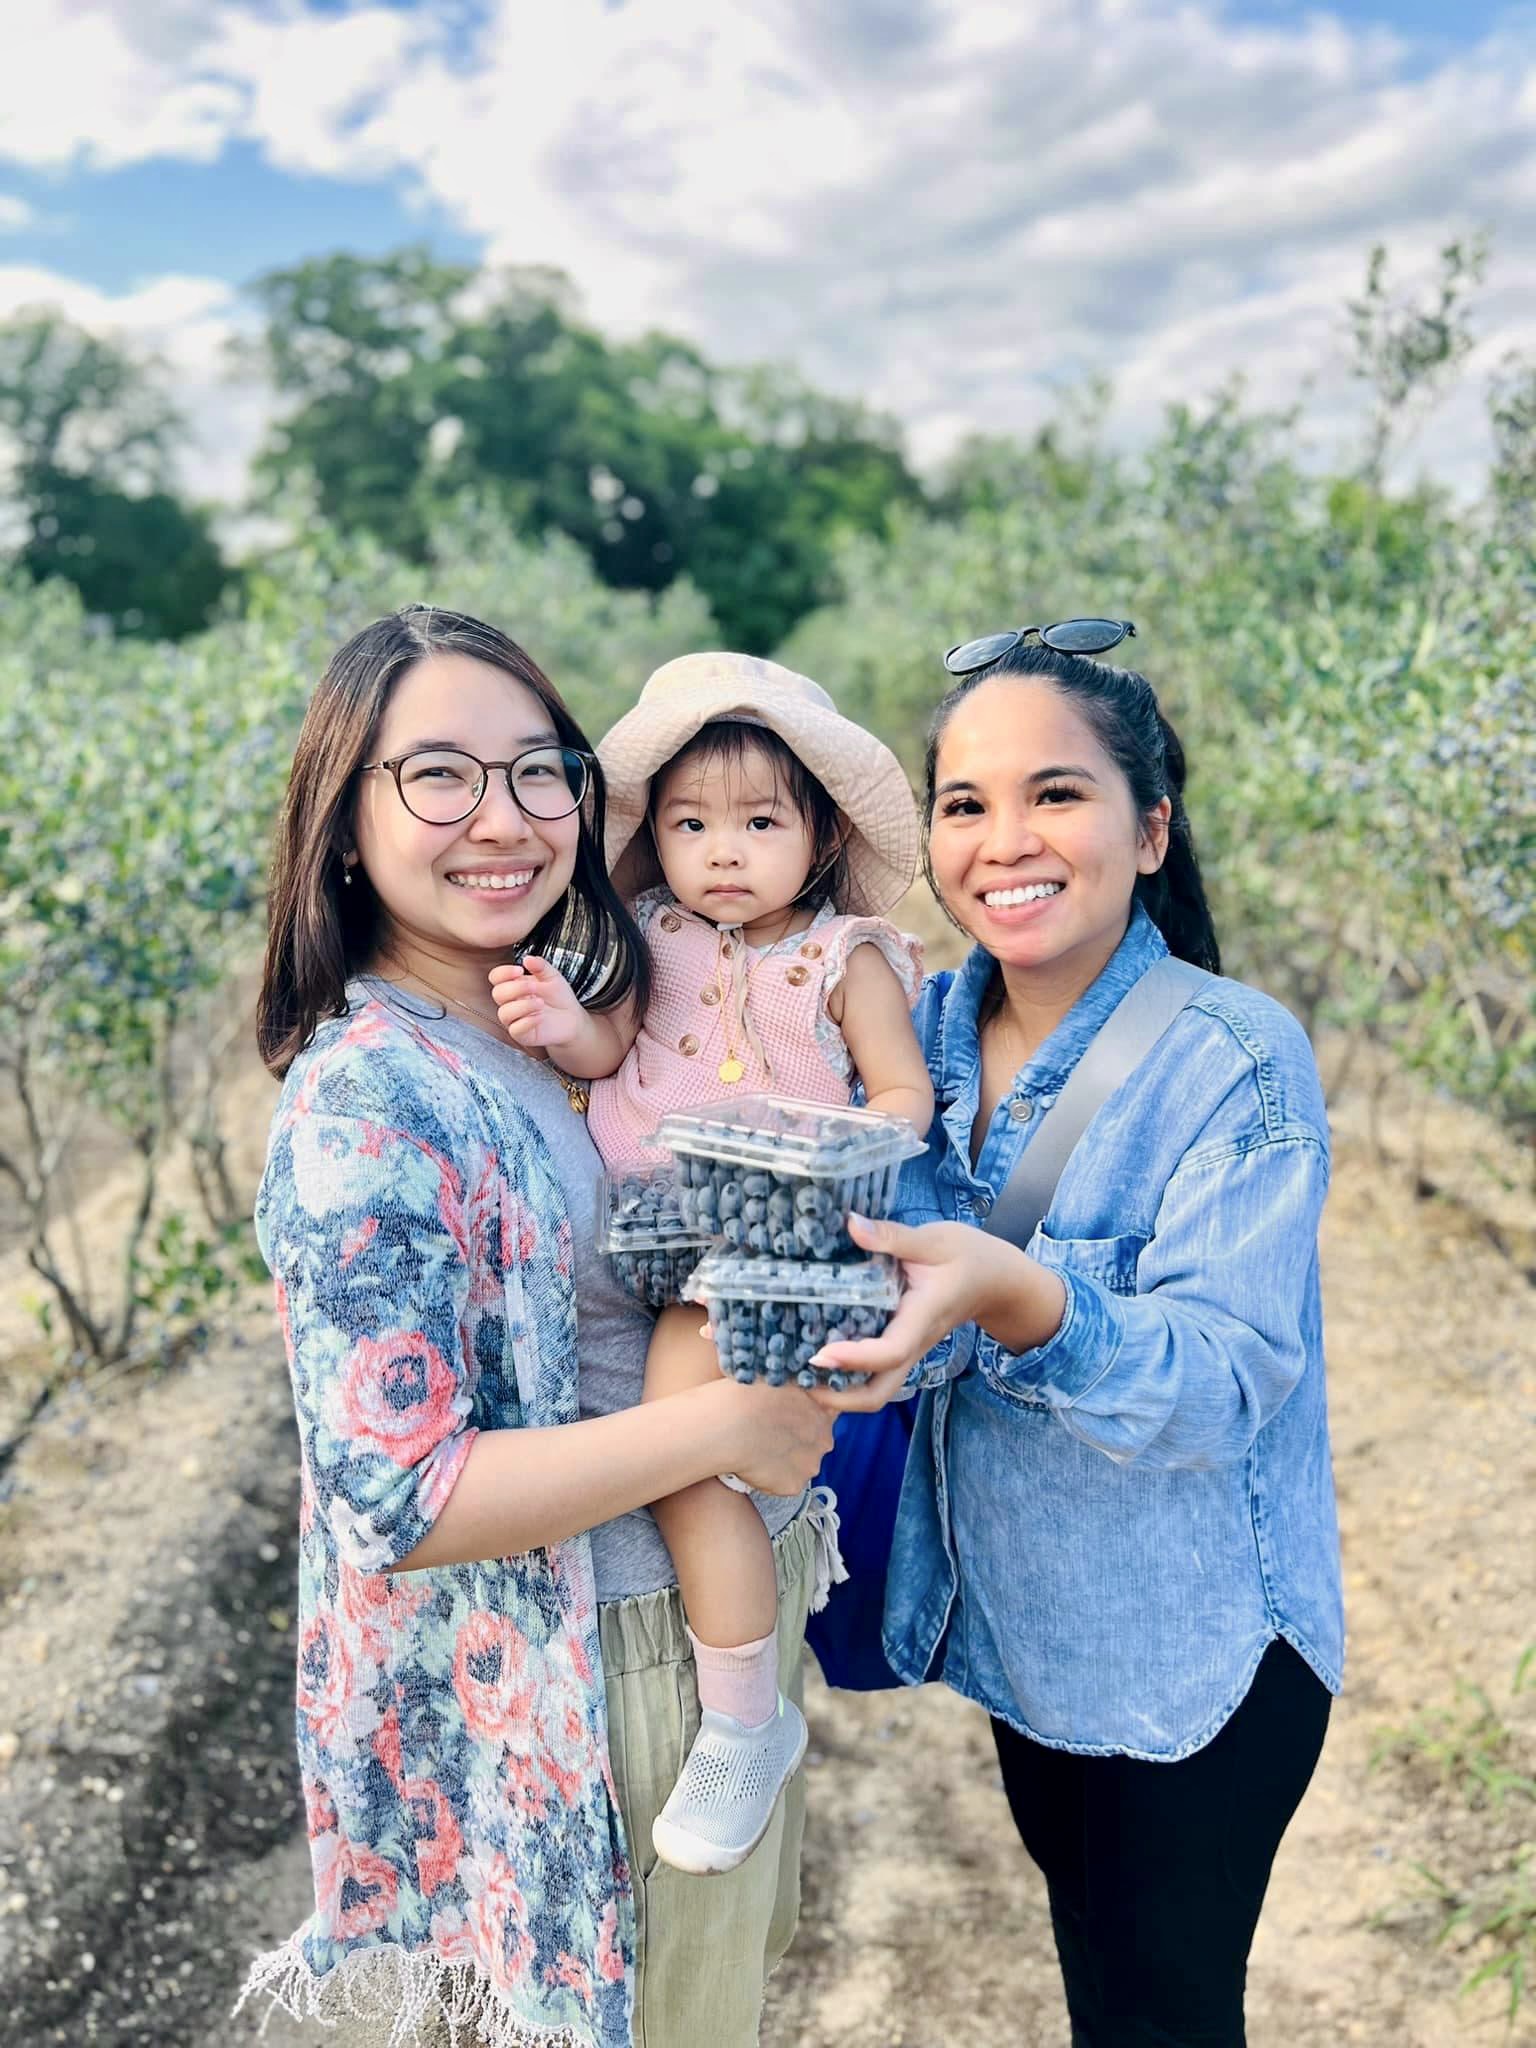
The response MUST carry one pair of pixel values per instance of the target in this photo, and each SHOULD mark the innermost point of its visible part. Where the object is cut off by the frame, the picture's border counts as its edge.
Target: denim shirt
(1097, 1539)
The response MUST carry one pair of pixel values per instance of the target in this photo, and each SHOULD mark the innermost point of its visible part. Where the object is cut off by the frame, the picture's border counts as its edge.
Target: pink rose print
(524, 1789)
(571, 1970)
(495, 1911)
(396, 1396)
(439, 1843)
(354, 1889)
(386, 1746)
(325, 1687)
(519, 1231)
(369, 1027)
(359, 1239)
(363, 1598)
(451, 1938)
(319, 1810)
(490, 1657)
(610, 1958)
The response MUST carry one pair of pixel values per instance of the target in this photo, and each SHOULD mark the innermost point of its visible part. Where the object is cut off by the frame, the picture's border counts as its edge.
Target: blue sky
(1159, 191)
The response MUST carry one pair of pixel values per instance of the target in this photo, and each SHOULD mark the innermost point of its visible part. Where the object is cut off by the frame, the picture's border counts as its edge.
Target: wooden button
(688, 1045)
(709, 995)
(727, 950)
(797, 975)
(670, 922)
(811, 950)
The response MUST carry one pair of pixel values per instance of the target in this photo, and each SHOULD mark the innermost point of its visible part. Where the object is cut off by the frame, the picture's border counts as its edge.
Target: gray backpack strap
(1118, 1048)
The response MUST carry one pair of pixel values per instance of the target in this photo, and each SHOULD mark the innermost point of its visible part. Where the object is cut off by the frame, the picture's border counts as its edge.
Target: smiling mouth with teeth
(474, 881)
(1002, 899)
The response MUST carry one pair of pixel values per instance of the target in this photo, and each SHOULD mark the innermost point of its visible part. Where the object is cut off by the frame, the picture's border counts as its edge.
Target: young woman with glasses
(483, 1685)
(1117, 1529)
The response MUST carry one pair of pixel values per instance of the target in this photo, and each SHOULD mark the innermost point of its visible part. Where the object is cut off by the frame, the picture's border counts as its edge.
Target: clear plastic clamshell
(776, 1177)
(771, 1316)
(640, 1227)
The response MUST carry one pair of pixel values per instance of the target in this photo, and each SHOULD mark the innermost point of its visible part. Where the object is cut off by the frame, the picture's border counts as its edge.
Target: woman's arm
(520, 1489)
(1184, 1372)
(870, 1006)
(373, 1236)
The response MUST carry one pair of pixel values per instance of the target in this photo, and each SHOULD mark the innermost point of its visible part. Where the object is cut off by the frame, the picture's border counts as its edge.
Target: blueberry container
(641, 1228)
(771, 1315)
(777, 1178)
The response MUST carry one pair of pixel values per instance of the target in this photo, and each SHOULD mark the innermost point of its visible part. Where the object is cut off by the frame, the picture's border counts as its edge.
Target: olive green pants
(704, 1945)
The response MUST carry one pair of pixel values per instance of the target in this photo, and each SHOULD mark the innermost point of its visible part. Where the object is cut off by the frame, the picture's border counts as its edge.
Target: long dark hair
(320, 932)
(1123, 712)
(729, 741)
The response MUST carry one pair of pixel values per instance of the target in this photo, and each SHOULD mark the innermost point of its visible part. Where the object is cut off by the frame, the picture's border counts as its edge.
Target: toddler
(761, 836)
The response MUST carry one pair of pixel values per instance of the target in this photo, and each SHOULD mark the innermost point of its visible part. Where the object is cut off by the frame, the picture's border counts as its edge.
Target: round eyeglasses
(1067, 636)
(443, 785)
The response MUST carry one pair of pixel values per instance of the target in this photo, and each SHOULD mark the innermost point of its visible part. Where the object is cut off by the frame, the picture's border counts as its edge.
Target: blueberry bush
(138, 787)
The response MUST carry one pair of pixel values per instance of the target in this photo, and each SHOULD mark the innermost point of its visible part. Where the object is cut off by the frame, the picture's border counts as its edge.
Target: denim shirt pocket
(1111, 1261)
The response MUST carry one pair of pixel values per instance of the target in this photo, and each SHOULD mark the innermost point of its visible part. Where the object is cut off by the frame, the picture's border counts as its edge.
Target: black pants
(1156, 1872)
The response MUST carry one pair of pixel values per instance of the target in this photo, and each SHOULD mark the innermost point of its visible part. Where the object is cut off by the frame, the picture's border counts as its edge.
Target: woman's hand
(784, 1437)
(954, 1274)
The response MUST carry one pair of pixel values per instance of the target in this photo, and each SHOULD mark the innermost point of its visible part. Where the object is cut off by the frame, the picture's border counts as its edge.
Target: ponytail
(1174, 898)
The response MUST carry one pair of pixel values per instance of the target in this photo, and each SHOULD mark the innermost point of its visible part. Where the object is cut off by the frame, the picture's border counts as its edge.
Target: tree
(1408, 351)
(91, 434)
(411, 382)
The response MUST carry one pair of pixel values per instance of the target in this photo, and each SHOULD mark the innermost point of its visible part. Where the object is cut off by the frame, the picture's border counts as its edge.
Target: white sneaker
(719, 1809)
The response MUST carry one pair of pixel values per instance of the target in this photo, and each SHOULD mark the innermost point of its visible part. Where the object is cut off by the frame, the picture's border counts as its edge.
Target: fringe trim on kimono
(403, 1991)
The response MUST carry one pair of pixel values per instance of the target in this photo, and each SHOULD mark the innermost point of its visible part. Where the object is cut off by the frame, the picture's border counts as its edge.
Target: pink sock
(742, 1682)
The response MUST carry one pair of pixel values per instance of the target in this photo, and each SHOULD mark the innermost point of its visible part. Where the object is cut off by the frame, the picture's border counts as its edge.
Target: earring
(348, 863)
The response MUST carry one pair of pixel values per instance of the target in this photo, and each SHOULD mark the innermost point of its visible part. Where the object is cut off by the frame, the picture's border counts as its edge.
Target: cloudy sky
(954, 208)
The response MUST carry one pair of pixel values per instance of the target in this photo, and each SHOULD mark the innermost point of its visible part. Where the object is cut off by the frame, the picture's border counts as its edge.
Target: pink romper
(675, 1061)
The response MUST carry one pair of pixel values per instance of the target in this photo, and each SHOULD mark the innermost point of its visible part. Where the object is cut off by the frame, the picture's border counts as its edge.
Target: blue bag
(864, 1469)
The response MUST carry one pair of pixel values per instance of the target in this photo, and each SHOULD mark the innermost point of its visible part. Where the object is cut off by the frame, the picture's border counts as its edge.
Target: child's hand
(536, 1004)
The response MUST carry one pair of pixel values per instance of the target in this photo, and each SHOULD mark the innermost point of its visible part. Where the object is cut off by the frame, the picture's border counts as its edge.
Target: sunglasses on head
(1068, 636)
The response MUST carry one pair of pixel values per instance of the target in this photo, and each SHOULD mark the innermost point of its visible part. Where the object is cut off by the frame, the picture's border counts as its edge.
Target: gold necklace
(731, 1069)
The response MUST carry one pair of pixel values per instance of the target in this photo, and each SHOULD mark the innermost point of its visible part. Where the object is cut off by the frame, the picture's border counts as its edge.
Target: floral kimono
(469, 1858)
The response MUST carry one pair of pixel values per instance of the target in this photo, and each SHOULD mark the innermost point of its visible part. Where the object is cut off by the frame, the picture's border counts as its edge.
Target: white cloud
(951, 210)
(15, 214)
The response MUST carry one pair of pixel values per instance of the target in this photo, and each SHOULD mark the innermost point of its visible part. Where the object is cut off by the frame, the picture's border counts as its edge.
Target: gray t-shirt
(612, 1328)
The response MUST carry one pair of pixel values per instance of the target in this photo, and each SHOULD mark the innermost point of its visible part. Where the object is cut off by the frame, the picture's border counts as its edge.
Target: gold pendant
(731, 1070)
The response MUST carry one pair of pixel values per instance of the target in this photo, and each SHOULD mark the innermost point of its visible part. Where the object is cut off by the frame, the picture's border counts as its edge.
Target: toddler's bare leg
(750, 1738)
(722, 1552)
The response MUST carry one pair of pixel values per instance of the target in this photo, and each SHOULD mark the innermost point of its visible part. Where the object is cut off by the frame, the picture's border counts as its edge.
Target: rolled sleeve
(1085, 1345)
(1186, 1370)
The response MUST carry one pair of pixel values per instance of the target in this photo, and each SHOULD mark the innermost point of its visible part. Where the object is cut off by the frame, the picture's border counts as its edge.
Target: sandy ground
(924, 1925)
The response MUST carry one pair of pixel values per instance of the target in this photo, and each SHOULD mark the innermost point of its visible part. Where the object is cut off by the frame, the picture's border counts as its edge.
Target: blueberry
(755, 1185)
(806, 1377)
(734, 1229)
(730, 1199)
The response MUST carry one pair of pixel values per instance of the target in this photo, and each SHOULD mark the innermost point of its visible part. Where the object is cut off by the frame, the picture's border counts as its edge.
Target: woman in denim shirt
(1117, 1529)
